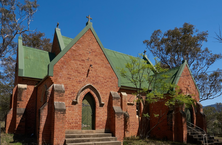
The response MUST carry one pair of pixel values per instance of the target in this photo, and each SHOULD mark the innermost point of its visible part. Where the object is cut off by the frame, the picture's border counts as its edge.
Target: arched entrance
(88, 112)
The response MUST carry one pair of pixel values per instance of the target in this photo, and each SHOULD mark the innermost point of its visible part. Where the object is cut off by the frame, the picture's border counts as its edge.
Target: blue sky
(123, 25)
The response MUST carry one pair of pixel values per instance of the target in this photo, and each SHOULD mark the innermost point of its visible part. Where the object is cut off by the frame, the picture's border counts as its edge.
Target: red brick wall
(10, 118)
(73, 71)
(23, 123)
(55, 46)
(162, 130)
(29, 102)
(187, 85)
(44, 122)
(133, 122)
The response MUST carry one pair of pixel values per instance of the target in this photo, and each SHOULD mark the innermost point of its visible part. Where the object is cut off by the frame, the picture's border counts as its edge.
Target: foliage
(15, 19)
(154, 83)
(6, 84)
(185, 43)
(214, 118)
(36, 40)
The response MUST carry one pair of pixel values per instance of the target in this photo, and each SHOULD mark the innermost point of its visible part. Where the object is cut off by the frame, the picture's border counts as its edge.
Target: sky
(123, 25)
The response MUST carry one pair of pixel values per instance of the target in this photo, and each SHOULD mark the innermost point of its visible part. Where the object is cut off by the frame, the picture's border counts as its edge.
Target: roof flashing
(20, 57)
(60, 40)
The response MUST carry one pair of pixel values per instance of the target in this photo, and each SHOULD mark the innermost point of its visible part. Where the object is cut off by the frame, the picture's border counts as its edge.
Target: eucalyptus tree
(185, 43)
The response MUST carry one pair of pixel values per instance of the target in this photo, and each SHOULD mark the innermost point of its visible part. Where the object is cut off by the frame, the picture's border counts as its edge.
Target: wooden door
(88, 112)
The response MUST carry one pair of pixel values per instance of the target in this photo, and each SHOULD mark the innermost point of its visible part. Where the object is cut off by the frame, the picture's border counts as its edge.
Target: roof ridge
(36, 49)
(67, 37)
(120, 52)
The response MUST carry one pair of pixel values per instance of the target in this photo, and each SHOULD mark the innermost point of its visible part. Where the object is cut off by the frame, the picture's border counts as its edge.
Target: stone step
(85, 131)
(97, 143)
(95, 139)
(88, 135)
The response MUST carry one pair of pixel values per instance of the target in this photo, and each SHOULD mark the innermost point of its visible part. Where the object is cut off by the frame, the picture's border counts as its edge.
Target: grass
(138, 141)
(219, 137)
(11, 139)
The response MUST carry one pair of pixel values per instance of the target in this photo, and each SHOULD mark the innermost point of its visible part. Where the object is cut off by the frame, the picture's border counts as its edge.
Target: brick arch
(93, 91)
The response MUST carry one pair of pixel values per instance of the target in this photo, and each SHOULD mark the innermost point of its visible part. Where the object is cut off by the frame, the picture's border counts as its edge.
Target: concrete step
(88, 135)
(97, 143)
(95, 139)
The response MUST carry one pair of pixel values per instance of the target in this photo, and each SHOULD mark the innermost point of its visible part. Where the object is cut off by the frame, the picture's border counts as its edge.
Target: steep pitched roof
(33, 62)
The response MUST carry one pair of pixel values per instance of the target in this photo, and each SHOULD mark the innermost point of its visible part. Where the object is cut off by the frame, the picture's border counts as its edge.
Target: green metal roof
(35, 62)
(66, 40)
(171, 73)
(119, 61)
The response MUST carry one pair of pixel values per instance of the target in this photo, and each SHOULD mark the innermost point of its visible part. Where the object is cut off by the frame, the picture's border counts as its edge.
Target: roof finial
(144, 52)
(57, 25)
(89, 18)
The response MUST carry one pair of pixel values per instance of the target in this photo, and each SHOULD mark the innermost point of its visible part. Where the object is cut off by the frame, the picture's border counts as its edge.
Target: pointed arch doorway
(88, 112)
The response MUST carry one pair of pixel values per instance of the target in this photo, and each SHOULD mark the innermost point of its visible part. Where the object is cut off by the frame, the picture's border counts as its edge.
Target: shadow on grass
(23, 139)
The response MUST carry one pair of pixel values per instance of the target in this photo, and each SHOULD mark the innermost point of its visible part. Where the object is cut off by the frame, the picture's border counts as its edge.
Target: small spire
(89, 18)
(57, 25)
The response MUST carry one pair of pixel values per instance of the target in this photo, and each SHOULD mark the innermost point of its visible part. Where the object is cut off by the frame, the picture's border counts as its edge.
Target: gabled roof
(184, 63)
(33, 62)
(117, 60)
(174, 75)
(36, 63)
(72, 42)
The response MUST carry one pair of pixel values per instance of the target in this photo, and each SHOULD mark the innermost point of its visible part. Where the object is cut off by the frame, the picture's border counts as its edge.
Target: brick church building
(77, 86)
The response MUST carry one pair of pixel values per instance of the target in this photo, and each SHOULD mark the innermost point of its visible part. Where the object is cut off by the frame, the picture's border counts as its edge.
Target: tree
(37, 40)
(186, 43)
(218, 36)
(153, 83)
(214, 118)
(13, 16)
(6, 84)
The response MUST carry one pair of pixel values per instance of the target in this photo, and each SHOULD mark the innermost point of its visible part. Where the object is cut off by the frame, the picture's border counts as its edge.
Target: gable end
(66, 49)
(180, 73)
